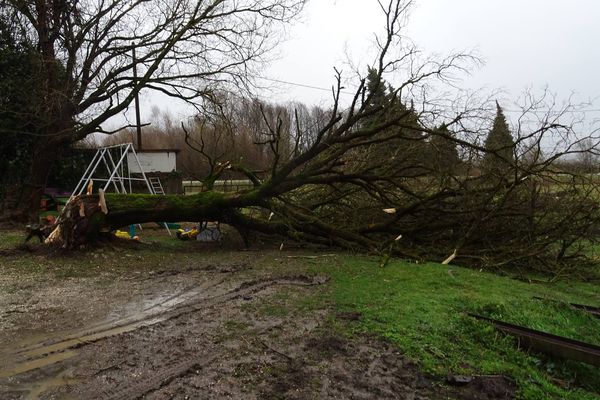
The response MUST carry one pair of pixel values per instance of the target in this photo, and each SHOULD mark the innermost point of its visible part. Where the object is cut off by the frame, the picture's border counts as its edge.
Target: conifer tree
(409, 148)
(499, 159)
(18, 94)
(445, 154)
(377, 95)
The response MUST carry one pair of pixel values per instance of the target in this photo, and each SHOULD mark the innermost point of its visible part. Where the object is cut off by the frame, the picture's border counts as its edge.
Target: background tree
(18, 93)
(20, 100)
(499, 158)
(184, 49)
(587, 158)
(444, 153)
(407, 150)
(377, 96)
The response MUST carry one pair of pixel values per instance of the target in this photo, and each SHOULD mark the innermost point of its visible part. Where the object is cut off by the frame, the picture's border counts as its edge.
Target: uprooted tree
(384, 175)
(82, 52)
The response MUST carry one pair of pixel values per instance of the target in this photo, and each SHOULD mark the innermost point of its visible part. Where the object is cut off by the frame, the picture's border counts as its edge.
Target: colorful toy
(187, 234)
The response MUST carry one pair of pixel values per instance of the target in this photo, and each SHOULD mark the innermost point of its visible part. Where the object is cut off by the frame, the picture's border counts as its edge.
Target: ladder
(157, 187)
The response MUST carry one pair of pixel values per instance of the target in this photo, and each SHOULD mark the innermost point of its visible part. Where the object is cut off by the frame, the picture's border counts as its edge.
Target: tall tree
(378, 99)
(444, 152)
(499, 158)
(407, 149)
(19, 93)
(184, 49)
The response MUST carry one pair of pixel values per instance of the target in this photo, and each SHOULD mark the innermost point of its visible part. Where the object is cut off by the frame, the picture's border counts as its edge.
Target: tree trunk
(83, 220)
(24, 205)
(44, 157)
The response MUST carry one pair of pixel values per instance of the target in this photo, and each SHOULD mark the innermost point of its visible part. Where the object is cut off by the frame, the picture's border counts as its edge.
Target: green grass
(423, 309)
(10, 240)
(157, 251)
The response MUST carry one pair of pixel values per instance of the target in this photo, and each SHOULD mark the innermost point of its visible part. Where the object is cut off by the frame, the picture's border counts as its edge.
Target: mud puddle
(37, 363)
(125, 318)
(33, 391)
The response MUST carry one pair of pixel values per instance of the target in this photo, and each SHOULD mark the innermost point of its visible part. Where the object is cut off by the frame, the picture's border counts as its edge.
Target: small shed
(159, 160)
(158, 163)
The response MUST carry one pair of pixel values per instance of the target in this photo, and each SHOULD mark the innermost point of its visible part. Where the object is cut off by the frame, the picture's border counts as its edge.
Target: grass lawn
(423, 309)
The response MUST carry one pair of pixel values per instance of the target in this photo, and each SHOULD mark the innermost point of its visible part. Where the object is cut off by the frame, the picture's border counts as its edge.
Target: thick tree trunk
(24, 205)
(83, 220)
(44, 156)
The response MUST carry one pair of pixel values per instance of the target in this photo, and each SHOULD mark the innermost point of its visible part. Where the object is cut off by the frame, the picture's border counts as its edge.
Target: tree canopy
(19, 89)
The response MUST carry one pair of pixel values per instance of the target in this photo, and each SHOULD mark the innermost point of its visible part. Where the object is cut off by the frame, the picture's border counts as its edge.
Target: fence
(229, 185)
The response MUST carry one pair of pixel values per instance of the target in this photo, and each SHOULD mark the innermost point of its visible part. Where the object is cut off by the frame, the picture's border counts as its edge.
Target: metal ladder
(157, 187)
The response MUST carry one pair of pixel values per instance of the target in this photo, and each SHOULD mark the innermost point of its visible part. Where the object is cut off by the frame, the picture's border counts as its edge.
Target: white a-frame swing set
(117, 165)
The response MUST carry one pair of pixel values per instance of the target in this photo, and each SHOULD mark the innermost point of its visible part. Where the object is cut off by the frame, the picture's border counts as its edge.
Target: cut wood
(450, 258)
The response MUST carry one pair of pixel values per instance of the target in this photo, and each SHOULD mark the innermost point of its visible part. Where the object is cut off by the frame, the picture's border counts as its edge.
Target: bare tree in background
(352, 180)
(587, 159)
(184, 49)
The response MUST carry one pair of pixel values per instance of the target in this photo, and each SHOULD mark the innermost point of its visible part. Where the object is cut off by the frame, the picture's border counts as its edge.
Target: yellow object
(187, 235)
(122, 235)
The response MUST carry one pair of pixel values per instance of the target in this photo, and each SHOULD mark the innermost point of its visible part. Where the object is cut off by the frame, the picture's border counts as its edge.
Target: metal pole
(85, 175)
(115, 171)
(119, 175)
(138, 124)
(142, 171)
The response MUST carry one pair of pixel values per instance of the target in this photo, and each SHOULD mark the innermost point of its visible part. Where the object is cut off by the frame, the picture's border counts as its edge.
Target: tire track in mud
(45, 353)
(158, 380)
(145, 314)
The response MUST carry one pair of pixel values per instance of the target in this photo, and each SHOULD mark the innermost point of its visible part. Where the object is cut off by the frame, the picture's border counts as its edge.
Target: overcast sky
(529, 43)
(525, 44)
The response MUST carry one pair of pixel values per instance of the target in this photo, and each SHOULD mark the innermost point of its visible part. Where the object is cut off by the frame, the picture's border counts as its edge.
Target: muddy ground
(229, 325)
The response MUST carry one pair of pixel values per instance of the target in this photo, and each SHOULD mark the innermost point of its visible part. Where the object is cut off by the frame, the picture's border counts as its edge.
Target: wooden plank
(549, 344)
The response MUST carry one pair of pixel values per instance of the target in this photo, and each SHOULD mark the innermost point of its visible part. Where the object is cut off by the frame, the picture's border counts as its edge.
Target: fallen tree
(385, 177)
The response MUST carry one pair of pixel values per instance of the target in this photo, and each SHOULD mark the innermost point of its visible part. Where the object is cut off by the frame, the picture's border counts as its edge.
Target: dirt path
(208, 332)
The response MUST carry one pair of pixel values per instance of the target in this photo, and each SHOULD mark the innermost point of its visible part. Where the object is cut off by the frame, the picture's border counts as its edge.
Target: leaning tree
(87, 53)
(366, 174)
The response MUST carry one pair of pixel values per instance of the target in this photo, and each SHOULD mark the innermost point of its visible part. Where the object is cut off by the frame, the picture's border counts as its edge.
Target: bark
(44, 157)
(23, 204)
(82, 220)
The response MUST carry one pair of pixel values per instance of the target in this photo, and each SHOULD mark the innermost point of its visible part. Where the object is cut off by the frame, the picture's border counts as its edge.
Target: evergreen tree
(20, 101)
(377, 96)
(445, 154)
(18, 93)
(500, 160)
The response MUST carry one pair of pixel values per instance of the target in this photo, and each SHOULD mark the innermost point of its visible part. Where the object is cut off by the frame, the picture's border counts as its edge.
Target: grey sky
(527, 43)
